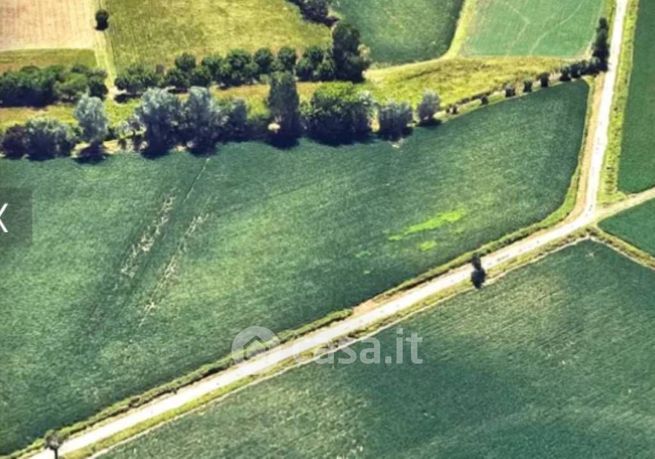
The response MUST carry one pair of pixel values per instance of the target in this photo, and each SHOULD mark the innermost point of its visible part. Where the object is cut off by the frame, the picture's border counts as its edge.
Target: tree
(429, 106)
(137, 78)
(347, 51)
(200, 76)
(264, 58)
(338, 113)
(72, 87)
(544, 80)
(286, 59)
(204, 119)
(90, 114)
(186, 62)
(510, 91)
(479, 275)
(394, 119)
(284, 104)
(178, 79)
(213, 64)
(14, 142)
(160, 114)
(53, 442)
(97, 87)
(601, 47)
(238, 68)
(237, 123)
(48, 138)
(527, 86)
(102, 19)
(315, 10)
(565, 74)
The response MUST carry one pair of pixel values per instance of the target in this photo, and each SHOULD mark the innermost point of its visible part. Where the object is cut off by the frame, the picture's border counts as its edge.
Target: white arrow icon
(2, 225)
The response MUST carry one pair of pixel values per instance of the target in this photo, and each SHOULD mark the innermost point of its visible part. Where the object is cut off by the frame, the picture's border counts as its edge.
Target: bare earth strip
(587, 214)
(44, 24)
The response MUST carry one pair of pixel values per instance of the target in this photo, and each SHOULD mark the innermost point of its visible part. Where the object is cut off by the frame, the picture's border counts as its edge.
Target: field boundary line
(624, 248)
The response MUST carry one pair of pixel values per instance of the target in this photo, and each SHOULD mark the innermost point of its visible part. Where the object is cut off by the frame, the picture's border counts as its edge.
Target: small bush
(394, 119)
(428, 108)
(48, 138)
(527, 86)
(544, 80)
(510, 91)
(102, 19)
(14, 142)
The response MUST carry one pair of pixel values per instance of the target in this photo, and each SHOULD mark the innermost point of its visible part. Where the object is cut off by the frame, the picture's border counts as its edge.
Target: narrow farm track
(588, 213)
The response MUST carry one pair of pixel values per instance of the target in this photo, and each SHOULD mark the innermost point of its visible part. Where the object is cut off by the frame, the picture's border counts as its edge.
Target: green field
(637, 166)
(636, 226)
(14, 60)
(398, 31)
(142, 270)
(203, 27)
(554, 360)
(561, 28)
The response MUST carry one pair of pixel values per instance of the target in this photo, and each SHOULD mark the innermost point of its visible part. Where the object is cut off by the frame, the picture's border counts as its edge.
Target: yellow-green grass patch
(155, 31)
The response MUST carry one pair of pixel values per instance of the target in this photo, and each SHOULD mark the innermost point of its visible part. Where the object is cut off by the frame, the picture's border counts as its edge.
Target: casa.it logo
(251, 341)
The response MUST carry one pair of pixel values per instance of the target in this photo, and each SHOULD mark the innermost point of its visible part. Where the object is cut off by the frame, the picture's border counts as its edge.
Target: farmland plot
(559, 28)
(45, 24)
(398, 31)
(202, 27)
(141, 270)
(637, 165)
(636, 226)
(553, 360)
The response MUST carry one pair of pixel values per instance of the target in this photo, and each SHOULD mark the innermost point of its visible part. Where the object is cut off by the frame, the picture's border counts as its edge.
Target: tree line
(345, 60)
(337, 113)
(37, 87)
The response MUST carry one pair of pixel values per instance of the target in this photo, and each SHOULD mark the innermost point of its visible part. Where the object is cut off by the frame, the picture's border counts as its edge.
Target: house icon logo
(251, 341)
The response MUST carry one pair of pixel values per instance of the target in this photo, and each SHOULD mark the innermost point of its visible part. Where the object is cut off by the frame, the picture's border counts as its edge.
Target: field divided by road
(637, 163)
(560, 28)
(398, 31)
(143, 270)
(155, 31)
(550, 361)
(636, 226)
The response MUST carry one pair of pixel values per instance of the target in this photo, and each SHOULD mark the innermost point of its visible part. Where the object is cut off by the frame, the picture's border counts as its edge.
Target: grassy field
(637, 163)
(203, 27)
(143, 270)
(13, 60)
(636, 226)
(554, 360)
(560, 28)
(398, 31)
(454, 79)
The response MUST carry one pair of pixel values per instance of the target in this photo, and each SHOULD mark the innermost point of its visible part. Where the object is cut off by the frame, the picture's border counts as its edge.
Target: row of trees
(336, 113)
(33, 86)
(45, 138)
(345, 60)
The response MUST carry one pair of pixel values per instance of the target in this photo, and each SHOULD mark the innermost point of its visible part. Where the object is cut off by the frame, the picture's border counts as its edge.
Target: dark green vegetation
(637, 166)
(636, 226)
(142, 270)
(553, 360)
(398, 31)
